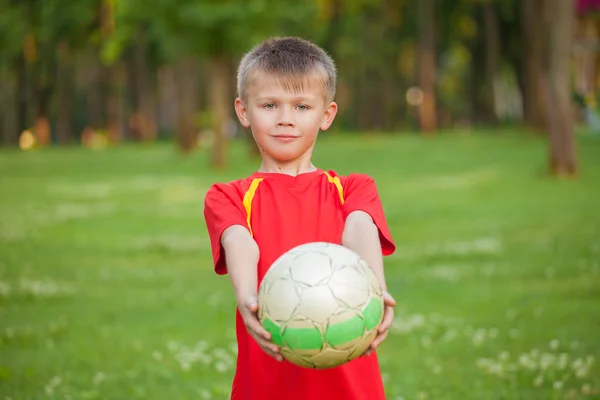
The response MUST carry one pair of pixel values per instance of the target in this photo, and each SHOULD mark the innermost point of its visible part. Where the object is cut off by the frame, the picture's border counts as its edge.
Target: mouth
(285, 137)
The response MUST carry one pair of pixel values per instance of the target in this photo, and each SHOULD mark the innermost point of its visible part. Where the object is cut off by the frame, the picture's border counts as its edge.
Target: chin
(284, 156)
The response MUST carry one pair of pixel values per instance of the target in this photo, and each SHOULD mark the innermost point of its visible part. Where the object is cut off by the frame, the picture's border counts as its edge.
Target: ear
(242, 113)
(329, 116)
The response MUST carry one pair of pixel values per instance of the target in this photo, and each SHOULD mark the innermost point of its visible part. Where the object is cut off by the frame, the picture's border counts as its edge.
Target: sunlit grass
(107, 289)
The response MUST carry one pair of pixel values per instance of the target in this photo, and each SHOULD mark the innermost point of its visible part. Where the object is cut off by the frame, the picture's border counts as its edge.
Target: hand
(388, 317)
(249, 312)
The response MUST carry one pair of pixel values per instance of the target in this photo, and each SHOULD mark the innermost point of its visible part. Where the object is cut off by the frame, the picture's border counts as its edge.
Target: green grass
(107, 289)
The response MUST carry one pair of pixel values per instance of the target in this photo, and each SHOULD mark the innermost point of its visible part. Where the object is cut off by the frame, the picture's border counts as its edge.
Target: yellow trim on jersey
(248, 196)
(336, 181)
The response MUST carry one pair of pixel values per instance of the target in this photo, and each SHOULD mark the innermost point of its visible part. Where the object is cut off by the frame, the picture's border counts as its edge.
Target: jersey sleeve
(223, 208)
(361, 194)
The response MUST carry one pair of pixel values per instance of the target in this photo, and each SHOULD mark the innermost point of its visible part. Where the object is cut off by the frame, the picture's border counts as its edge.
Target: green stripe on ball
(336, 334)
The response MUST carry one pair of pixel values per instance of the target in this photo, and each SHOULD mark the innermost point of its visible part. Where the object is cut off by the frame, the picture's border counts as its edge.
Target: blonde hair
(293, 61)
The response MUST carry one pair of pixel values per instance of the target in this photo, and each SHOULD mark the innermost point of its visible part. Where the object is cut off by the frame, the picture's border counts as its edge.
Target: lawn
(107, 289)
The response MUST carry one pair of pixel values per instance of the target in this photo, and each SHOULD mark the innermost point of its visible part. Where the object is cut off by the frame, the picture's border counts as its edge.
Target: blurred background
(478, 119)
(96, 71)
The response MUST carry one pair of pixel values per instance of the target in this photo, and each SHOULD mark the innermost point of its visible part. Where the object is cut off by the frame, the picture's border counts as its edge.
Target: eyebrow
(295, 98)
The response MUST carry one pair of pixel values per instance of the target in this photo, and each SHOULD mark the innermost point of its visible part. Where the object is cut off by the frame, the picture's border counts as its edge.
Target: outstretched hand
(249, 313)
(388, 318)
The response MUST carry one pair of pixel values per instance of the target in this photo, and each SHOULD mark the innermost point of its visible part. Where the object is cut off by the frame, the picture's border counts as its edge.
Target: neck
(292, 168)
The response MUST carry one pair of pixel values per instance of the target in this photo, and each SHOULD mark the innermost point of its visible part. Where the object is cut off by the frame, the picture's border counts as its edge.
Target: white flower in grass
(185, 366)
(547, 361)
(538, 381)
(586, 389)
(527, 362)
(563, 361)
(98, 378)
(479, 337)
(581, 373)
(52, 384)
(449, 335)
(558, 385)
(589, 360)
(221, 366)
(172, 345)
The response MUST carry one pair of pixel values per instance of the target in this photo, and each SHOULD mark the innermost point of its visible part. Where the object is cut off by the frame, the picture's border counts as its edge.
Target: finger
(378, 340)
(388, 299)
(269, 348)
(276, 356)
(266, 345)
(388, 320)
(255, 327)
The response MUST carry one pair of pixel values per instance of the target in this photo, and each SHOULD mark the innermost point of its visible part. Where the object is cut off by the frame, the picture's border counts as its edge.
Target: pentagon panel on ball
(322, 304)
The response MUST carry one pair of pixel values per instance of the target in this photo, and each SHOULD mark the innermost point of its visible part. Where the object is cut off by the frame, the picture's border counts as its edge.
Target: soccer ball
(322, 305)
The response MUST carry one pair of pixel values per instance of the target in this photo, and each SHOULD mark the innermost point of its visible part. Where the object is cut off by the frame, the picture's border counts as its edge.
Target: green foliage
(202, 28)
(13, 28)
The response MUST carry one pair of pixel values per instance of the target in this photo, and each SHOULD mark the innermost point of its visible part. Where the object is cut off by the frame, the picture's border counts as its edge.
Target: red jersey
(282, 211)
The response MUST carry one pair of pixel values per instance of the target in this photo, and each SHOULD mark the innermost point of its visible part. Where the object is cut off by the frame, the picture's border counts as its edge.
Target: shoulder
(233, 190)
(352, 179)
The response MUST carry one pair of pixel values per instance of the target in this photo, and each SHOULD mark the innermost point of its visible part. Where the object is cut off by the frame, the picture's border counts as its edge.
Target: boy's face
(285, 124)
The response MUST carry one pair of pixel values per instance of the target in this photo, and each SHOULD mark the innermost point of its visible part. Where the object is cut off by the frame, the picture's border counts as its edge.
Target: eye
(302, 107)
(269, 106)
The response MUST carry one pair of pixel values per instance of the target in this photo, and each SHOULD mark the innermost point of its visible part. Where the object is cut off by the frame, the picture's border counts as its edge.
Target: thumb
(388, 299)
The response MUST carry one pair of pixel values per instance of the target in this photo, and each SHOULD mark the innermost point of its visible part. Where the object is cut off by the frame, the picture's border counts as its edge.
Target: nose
(285, 117)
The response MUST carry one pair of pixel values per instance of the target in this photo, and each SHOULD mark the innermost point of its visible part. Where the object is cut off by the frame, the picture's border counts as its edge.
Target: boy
(286, 88)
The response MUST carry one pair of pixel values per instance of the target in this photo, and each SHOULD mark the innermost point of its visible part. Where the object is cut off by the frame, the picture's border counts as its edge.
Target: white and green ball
(322, 304)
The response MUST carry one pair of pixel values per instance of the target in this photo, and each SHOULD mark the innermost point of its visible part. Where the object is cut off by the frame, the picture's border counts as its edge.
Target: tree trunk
(187, 89)
(64, 83)
(168, 98)
(95, 83)
(220, 106)
(587, 56)
(42, 127)
(145, 114)
(535, 30)
(427, 67)
(563, 157)
(115, 103)
(492, 58)
(22, 96)
(9, 131)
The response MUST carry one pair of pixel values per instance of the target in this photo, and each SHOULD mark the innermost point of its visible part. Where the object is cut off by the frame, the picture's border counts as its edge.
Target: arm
(241, 255)
(361, 235)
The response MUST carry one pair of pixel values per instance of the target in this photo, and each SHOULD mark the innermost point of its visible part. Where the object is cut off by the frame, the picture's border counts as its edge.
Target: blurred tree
(12, 72)
(492, 58)
(563, 157)
(128, 50)
(427, 66)
(197, 38)
(535, 61)
(39, 40)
